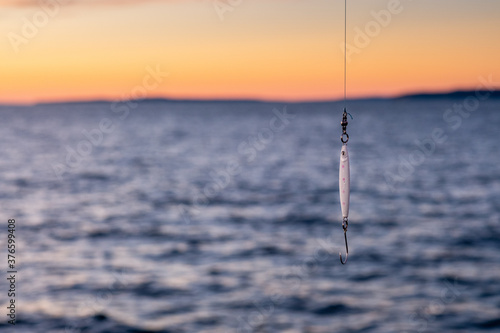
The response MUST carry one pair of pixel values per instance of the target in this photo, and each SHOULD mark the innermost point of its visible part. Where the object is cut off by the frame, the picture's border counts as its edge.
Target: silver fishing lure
(344, 182)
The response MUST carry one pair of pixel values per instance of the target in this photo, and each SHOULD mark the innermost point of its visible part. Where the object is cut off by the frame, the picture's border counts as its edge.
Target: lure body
(344, 181)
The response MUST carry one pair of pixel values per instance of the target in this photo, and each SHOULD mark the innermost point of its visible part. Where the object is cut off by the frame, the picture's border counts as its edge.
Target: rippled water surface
(224, 217)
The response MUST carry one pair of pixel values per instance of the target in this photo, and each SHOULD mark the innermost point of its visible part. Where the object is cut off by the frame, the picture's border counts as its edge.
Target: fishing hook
(344, 226)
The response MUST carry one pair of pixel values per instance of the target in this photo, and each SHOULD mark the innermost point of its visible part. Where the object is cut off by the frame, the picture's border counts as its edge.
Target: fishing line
(345, 53)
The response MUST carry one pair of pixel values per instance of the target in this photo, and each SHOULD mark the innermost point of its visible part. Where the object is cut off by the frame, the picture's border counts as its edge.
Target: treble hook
(344, 226)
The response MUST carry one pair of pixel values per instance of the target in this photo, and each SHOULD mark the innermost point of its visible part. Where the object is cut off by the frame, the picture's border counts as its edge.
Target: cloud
(36, 3)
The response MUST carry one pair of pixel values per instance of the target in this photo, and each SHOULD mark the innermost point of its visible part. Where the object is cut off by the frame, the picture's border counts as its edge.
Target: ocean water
(224, 217)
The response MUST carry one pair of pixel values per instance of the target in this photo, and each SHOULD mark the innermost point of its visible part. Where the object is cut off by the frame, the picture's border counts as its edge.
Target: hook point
(343, 262)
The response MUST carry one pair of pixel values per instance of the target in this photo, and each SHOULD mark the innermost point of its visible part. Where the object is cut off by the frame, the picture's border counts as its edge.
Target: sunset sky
(262, 49)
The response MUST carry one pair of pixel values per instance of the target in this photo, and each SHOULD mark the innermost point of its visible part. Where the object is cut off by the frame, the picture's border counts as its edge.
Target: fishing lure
(344, 182)
(344, 170)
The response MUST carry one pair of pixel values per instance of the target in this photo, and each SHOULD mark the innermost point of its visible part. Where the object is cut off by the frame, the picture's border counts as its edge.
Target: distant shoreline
(457, 94)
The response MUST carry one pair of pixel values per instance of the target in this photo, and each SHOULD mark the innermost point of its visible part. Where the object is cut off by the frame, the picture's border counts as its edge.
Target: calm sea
(224, 217)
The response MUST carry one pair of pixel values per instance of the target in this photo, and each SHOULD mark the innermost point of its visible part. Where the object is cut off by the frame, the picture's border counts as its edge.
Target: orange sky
(265, 49)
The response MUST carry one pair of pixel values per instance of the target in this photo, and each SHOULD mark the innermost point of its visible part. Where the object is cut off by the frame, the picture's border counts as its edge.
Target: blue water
(223, 217)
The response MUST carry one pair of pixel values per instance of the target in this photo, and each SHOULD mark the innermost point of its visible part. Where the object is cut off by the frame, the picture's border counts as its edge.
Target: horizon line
(422, 94)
